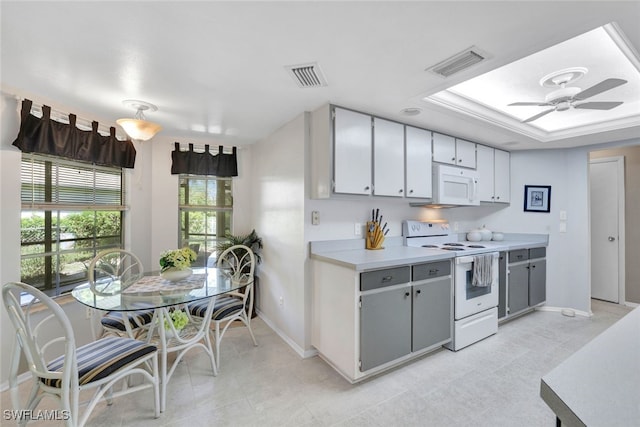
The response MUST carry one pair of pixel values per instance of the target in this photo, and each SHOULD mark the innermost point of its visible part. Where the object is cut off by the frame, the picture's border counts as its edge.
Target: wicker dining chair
(99, 364)
(239, 263)
(110, 272)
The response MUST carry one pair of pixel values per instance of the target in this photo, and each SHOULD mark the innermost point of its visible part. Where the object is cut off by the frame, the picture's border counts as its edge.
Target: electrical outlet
(281, 301)
(87, 313)
(315, 217)
(357, 229)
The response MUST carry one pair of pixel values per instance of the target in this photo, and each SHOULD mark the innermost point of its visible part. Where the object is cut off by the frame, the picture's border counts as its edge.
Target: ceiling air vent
(459, 62)
(307, 75)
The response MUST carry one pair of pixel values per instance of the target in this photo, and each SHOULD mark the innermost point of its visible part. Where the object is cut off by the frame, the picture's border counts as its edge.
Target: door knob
(611, 238)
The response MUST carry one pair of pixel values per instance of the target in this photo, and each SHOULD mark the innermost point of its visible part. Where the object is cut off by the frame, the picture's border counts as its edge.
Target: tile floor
(492, 383)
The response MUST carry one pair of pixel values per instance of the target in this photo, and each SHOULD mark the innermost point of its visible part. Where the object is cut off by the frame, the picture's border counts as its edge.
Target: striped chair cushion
(115, 319)
(225, 306)
(101, 358)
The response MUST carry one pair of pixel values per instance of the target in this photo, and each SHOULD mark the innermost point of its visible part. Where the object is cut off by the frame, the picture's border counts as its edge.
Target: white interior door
(605, 194)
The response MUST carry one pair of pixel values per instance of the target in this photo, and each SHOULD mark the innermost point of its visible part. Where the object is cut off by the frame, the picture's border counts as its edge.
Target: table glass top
(152, 291)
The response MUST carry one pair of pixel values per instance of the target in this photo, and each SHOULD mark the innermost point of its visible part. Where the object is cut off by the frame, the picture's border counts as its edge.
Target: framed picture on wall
(537, 198)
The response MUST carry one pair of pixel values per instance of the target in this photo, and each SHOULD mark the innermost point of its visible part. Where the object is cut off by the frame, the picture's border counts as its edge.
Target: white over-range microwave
(455, 186)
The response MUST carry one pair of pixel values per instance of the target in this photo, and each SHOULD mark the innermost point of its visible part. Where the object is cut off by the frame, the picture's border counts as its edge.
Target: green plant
(178, 258)
(179, 319)
(251, 240)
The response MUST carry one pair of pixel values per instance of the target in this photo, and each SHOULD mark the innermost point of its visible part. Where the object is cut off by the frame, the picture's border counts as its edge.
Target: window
(206, 211)
(70, 211)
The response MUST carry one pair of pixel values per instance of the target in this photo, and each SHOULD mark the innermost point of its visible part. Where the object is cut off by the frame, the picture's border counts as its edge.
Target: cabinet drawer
(431, 270)
(381, 278)
(518, 255)
(537, 253)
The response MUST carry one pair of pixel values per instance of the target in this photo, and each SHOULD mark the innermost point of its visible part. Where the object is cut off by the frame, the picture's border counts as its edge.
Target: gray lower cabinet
(518, 287)
(537, 282)
(404, 310)
(385, 326)
(527, 279)
(432, 316)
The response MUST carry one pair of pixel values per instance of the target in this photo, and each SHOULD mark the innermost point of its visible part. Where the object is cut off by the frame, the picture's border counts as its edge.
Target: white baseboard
(631, 304)
(305, 354)
(21, 378)
(559, 310)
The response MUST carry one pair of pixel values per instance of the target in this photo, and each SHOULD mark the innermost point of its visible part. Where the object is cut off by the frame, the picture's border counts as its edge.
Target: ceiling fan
(565, 97)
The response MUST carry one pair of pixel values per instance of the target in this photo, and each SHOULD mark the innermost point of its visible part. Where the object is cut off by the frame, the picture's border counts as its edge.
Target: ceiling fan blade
(526, 104)
(537, 116)
(603, 86)
(598, 105)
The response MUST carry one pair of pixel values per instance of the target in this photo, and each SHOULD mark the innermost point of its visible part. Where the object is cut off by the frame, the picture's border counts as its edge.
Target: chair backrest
(29, 321)
(113, 270)
(238, 260)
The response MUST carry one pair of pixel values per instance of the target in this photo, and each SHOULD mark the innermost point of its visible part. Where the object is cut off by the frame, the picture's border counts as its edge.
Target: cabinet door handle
(533, 266)
(366, 188)
(459, 160)
(434, 271)
(410, 191)
(407, 294)
(453, 159)
(418, 291)
(387, 278)
(400, 191)
(498, 197)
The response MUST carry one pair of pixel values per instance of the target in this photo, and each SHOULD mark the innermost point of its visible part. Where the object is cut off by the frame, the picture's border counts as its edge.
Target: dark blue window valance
(45, 136)
(205, 163)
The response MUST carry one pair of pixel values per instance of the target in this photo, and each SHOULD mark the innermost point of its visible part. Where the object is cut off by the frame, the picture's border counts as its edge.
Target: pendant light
(138, 128)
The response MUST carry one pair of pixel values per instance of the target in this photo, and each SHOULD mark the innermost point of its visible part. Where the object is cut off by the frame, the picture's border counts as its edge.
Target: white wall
(277, 214)
(9, 219)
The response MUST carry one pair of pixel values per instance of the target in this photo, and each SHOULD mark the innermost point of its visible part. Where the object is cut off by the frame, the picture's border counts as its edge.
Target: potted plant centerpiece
(176, 264)
(179, 319)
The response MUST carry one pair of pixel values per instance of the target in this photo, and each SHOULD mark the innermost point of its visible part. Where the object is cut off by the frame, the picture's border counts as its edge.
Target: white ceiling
(216, 70)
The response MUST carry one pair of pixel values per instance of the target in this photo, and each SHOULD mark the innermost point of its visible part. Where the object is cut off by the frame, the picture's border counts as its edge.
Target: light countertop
(599, 385)
(352, 254)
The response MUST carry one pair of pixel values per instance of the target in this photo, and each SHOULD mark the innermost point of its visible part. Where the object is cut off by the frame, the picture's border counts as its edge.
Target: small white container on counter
(497, 236)
(474, 236)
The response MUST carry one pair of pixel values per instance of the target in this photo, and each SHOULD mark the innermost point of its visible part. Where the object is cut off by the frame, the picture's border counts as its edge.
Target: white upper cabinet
(418, 163)
(494, 184)
(502, 176)
(454, 151)
(485, 173)
(465, 153)
(444, 148)
(388, 158)
(352, 152)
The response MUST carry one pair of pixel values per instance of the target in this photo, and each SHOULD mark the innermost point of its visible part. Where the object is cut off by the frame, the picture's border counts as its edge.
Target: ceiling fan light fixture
(138, 128)
(563, 77)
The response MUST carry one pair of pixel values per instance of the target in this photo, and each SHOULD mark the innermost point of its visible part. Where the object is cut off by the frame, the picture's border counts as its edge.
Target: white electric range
(475, 301)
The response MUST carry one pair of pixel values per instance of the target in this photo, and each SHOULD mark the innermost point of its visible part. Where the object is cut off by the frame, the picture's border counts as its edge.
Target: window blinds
(55, 183)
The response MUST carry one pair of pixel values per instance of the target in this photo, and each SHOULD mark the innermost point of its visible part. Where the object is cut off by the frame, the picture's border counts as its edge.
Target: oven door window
(472, 291)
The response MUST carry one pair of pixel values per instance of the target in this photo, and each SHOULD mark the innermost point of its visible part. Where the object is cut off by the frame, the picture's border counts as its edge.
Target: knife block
(374, 236)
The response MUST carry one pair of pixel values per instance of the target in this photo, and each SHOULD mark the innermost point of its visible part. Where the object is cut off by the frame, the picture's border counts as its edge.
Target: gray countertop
(599, 385)
(351, 253)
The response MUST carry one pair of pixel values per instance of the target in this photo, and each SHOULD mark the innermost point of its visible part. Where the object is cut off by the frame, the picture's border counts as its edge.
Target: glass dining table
(152, 292)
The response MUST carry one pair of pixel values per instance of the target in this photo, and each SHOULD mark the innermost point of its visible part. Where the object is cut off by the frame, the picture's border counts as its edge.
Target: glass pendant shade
(140, 130)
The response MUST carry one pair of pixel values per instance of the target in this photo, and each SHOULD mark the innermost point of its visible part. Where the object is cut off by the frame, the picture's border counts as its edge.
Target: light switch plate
(563, 215)
(315, 217)
(357, 229)
(563, 227)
